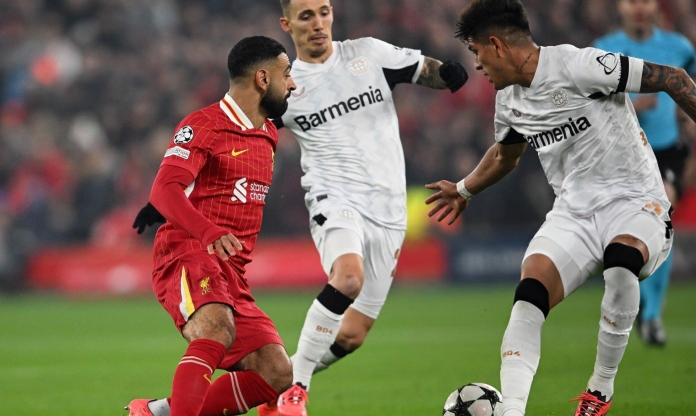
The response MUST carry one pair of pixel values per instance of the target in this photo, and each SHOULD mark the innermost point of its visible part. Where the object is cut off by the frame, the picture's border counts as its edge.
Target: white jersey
(578, 117)
(344, 119)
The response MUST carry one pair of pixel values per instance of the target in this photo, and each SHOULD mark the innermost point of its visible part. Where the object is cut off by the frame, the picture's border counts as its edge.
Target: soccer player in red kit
(211, 188)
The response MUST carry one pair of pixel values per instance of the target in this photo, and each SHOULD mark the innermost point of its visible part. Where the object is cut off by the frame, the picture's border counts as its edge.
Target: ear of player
(454, 75)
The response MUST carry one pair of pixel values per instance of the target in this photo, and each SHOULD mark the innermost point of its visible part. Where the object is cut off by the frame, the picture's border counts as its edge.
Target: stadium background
(90, 91)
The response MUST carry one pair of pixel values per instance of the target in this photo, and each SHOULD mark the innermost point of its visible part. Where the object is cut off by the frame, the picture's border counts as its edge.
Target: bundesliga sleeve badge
(184, 135)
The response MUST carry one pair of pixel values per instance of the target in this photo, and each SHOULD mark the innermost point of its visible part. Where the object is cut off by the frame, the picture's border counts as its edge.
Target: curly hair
(251, 51)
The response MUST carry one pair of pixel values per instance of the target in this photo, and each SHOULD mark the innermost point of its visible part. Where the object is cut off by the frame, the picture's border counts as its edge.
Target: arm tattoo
(430, 76)
(674, 81)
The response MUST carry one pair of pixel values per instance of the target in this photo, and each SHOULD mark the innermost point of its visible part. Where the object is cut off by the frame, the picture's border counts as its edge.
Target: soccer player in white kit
(611, 213)
(344, 119)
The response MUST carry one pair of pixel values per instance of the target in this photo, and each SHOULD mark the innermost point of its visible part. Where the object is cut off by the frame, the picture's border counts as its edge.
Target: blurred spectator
(90, 91)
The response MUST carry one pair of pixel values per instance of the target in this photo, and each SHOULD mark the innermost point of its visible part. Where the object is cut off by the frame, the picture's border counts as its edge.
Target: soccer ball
(474, 399)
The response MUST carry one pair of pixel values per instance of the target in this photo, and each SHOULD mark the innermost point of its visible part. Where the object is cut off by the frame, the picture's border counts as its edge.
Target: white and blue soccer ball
(474, 399)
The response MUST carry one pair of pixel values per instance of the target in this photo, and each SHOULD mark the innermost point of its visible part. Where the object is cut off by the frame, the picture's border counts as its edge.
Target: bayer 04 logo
(184, 135)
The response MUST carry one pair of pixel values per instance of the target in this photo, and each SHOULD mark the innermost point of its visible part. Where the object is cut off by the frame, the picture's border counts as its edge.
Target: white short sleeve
(396, 60)
(598, 73)
(504, 133)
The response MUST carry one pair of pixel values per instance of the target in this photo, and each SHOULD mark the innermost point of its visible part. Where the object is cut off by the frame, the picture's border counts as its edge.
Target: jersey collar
(309, 67)
(234, 113)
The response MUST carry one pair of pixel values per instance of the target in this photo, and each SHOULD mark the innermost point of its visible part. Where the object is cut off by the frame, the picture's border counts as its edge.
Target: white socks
(520, 352)
(325, 361)
(619, 310)
(318, 333)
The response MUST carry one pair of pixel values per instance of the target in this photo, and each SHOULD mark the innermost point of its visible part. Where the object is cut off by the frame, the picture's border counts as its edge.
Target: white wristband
(461, 189)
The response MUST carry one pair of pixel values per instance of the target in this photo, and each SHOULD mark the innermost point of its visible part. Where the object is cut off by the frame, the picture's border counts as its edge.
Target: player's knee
(533, 291)
(281, 375)
(213, 321)
(349, 283)
(622, 255)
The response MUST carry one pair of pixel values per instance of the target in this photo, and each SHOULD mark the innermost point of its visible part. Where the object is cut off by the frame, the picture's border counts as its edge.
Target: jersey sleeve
(169, 197)
(400, 65)
(504, 133)
(598, 73)
(190, 145)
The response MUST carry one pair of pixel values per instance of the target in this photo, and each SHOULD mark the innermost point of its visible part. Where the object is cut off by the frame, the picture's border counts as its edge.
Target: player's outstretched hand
(225, 246)
(454, 75)
(448, 198)
(147, 217)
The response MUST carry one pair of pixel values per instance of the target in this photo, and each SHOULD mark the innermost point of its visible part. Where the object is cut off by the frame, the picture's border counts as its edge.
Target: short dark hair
(482, 16)
(251, 51)
(285, 5)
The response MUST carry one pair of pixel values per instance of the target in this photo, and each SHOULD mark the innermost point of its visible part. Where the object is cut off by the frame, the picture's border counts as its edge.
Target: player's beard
(275, 105)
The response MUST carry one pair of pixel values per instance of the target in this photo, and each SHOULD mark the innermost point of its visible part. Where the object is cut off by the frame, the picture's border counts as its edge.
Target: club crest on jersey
(358, 66)
(240, 191)
(184, 135)
(346, 213)
(257, 191)
(559, 97)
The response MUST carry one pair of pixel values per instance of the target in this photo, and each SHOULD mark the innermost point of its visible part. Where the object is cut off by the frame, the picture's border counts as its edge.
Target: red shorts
(195, 278)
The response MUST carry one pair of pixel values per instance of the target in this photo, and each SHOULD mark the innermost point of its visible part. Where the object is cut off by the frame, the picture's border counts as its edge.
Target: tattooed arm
(674, 81)
(438, 75)
(430, 74)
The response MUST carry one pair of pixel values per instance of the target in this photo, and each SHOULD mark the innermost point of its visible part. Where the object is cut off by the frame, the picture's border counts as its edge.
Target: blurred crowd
(90, 91)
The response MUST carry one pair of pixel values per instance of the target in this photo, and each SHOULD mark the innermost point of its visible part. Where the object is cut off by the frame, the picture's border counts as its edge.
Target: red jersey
(232, 165)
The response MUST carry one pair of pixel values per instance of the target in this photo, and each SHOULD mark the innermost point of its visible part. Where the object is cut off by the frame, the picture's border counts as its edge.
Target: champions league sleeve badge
(184, 135)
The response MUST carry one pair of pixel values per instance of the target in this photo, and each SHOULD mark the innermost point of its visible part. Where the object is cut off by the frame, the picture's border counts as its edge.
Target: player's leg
(636, 243)
(324, 317)
(351, 336)
(559, 259)
(257, 361)
(652, 295)
(382, 249)
(624, 257)
(672, 163)
(341, 251)
(539, 290)
(210, 331)
(193, 290)
(257, 378)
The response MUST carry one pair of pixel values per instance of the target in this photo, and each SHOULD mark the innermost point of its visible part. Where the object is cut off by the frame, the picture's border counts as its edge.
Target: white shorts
(576, 245)
(338, 229)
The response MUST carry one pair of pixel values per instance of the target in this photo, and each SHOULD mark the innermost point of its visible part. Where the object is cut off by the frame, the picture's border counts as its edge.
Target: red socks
(192, 378)
(236, 393)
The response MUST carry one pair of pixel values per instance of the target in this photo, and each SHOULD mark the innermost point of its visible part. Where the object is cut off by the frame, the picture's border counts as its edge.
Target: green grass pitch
(78, 357)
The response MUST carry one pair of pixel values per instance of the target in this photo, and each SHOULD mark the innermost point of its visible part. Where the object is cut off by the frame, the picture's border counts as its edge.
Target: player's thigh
(381, 256)
(190, 281)
(647, 221)
(563, 254)
(338, 230)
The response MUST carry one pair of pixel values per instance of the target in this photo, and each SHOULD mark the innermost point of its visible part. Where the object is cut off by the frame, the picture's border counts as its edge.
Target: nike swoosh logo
(235, 154)
(207, 377)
